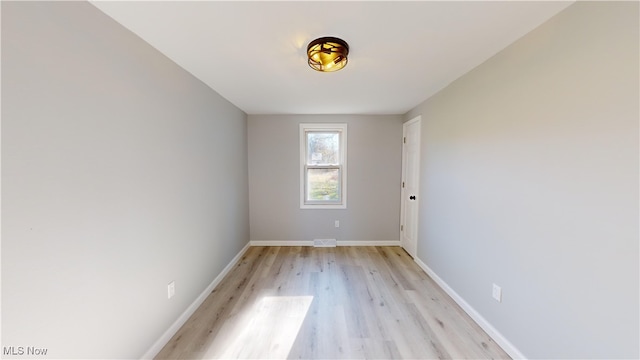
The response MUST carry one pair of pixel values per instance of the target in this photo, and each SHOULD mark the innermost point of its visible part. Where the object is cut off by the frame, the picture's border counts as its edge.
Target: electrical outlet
(497, 293)
(337, 223)
(171, 289)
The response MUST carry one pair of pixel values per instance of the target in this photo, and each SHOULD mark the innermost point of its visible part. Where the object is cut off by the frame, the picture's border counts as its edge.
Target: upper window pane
(323, 148)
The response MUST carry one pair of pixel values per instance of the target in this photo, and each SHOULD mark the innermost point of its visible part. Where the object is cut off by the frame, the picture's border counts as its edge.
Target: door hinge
(404, 140)
(403, 184)
(401, 227)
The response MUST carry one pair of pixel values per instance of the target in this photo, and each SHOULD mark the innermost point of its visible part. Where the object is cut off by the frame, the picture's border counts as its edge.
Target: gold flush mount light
(327, 54)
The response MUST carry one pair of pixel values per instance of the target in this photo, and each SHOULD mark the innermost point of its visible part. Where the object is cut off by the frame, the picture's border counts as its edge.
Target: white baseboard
(507, 346)
(173, 329)
(369, 243)
(310, 243)
(281, 243)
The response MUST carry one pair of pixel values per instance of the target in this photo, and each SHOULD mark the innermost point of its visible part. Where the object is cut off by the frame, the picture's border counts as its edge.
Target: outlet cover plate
(171, 289)
(497, 293)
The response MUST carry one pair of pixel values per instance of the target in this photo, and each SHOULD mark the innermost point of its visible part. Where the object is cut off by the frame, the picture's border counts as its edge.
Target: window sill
(322, 207)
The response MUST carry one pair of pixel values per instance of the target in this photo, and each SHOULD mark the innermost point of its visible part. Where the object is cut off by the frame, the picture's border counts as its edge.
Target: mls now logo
(24, 350)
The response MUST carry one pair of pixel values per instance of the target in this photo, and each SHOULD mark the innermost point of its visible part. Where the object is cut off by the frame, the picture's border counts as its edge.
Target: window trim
(342, 167)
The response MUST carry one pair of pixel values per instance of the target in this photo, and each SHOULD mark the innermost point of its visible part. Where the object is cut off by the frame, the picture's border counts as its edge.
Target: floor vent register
(325, 243)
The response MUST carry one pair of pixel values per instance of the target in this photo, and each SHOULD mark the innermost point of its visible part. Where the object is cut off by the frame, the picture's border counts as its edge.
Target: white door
(410, 185)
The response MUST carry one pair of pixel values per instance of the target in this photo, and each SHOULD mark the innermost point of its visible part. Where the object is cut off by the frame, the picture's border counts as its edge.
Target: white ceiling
(401, 53)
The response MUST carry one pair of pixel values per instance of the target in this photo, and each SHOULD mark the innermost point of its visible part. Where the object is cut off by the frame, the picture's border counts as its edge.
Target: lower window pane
(323, 185)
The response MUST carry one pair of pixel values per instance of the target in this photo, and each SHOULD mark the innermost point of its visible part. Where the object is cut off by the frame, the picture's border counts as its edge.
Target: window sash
(307, 188)
(337, 154)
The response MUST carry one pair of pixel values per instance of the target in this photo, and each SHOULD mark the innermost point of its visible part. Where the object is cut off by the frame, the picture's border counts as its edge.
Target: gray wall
(120, 173)
(373, 194)
(529, 179)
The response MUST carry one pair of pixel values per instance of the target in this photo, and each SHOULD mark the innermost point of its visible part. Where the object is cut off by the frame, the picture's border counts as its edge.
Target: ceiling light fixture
(327, 54)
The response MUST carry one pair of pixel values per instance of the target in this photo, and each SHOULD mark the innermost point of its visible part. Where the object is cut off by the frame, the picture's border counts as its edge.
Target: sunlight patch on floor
(266, 331)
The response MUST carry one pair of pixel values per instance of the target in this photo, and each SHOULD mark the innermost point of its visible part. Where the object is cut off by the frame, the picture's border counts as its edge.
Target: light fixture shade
(327, 54)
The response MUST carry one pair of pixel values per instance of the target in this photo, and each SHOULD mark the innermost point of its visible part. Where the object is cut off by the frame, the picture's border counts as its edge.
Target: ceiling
(401, 53)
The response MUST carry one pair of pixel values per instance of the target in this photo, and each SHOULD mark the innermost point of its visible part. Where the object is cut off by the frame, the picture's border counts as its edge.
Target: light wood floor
(329, 303)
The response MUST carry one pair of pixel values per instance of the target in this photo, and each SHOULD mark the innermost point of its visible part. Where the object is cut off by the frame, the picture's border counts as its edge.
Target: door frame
(403, 198)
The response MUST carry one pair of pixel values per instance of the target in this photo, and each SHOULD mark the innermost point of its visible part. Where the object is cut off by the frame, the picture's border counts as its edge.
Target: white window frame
(342, 129)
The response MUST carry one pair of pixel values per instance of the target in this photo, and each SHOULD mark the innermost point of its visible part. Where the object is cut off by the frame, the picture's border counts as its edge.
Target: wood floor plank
(329, 303)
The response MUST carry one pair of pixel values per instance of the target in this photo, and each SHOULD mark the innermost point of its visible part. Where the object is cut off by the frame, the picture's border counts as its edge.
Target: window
(323, 166)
